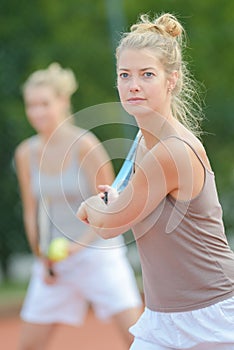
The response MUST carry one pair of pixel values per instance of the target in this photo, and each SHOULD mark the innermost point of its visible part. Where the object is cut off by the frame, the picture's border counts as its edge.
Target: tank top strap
(192, 148)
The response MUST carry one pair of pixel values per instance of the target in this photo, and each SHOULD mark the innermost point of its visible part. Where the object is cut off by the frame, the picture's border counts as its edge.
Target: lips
(135, 99)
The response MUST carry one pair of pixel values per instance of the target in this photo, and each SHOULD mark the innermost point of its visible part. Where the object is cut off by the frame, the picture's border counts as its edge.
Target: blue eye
(124, 75)
(148, 74)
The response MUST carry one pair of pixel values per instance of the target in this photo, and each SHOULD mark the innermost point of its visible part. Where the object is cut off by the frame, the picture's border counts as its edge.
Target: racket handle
(51, 271)
(105, 198)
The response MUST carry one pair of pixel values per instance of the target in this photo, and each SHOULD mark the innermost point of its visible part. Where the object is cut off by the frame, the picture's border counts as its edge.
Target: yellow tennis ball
(58, 249)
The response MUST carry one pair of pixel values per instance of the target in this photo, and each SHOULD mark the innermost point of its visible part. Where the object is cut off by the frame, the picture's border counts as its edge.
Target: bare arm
(28, 200)
(98, 169)
(167, 168)
(95, 161)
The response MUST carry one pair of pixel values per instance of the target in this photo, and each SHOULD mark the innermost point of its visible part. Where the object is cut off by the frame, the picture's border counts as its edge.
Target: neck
(155, 127)
(55, 134)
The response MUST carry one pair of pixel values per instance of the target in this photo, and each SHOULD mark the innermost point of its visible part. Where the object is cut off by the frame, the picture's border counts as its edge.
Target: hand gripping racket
(126, 170)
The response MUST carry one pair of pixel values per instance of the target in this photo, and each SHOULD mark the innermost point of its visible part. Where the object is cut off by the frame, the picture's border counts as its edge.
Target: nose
(134, 85)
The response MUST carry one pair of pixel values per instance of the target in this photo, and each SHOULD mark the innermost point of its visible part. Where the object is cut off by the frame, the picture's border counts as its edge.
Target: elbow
(107, 233)
(103, 230)
(106, 236)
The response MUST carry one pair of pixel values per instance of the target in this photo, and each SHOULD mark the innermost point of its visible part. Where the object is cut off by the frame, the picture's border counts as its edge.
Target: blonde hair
(62, 81)
(166, 36)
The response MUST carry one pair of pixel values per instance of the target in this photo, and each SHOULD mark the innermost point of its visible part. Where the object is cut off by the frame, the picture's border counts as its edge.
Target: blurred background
(82, 35)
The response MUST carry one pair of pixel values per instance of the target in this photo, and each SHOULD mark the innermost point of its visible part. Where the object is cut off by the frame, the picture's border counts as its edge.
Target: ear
(172, 80)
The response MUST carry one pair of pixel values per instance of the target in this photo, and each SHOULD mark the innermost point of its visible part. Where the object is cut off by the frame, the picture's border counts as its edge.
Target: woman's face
(142, 82)
(44, 108)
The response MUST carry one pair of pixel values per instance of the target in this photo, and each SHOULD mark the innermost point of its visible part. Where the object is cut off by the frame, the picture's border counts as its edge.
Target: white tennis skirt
(210, 328)
(104, 279)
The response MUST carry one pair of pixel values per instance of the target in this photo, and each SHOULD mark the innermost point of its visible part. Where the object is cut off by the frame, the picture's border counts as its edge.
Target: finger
(104, 188)
(82, 213)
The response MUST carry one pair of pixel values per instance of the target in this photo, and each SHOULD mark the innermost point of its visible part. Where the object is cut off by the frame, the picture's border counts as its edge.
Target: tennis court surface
(93, 335)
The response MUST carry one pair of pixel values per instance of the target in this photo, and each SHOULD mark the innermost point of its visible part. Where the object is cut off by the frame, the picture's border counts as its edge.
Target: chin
(136, 109)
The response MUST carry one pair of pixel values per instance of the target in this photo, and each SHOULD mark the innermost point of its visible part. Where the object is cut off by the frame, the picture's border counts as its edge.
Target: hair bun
(165, 24)
(63, 78)
(170, 24)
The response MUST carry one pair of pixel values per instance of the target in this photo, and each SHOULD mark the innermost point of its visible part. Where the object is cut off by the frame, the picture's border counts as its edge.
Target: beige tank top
(186, 261)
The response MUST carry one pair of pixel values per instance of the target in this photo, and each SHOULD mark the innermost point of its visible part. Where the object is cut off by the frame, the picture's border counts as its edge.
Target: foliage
(77, 33)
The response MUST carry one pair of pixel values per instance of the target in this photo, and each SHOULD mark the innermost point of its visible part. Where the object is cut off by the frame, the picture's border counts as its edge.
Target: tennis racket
(126, 170)
(44, 229)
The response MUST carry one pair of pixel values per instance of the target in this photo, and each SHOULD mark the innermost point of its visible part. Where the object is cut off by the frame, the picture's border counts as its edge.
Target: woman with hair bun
(59, 166)
(171, 201)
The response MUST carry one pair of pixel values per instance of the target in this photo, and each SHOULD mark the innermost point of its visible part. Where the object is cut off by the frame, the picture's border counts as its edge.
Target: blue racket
(126, 170)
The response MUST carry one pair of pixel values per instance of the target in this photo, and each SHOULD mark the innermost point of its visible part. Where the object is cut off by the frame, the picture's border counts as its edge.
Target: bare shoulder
(22, 150)
(189, 145)
(171, 146)
(83, 135)
(178, 143)
(86, 140)
(22, 156)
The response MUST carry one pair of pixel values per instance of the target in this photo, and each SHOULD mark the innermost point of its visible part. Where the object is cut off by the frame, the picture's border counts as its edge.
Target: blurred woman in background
(61, 165)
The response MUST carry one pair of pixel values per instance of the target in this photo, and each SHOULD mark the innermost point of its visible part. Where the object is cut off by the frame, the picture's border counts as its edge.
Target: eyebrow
(142, 69)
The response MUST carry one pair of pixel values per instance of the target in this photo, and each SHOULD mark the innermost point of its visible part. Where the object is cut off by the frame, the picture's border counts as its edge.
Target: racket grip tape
(105, 198)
